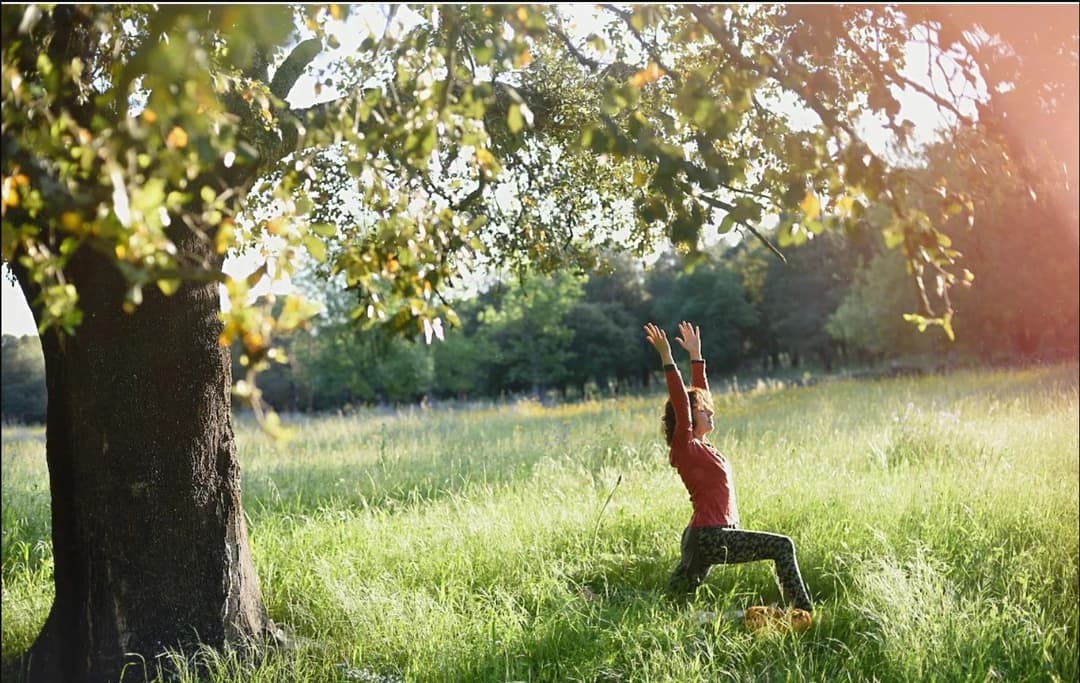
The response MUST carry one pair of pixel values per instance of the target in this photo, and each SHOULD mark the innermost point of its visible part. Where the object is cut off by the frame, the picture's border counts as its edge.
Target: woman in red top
(713, 536)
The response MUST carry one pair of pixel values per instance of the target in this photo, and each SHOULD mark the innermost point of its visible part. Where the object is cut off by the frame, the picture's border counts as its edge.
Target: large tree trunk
(149, 541)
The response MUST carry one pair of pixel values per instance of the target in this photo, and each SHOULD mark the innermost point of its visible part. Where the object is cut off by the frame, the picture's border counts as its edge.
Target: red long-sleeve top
(703, 469)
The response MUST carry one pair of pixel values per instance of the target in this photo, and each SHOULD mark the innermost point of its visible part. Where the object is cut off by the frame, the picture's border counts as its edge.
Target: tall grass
(935, 519)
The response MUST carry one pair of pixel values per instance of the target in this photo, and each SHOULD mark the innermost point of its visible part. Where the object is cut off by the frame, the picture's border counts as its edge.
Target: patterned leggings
(703, 547)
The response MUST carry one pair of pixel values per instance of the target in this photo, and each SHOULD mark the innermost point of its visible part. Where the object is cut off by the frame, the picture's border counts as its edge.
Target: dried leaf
(177, 138)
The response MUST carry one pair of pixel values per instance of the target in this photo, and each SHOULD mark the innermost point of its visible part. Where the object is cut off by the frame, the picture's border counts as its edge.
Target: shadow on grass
(618, 621)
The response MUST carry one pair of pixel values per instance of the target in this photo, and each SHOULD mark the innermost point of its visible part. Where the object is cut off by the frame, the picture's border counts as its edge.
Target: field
(935, 519)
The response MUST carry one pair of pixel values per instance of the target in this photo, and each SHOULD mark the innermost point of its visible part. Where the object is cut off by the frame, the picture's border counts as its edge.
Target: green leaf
(168, 286)
(815, 226)
(484, 53)
(514, 120)
(148, 198)
(684, 231)
(315, 247)
(324, 229)
(69, 245)
(304, 205)
(597, 140)
(44, 64)
(746, 210)
(894, 236)
(918, 320)
(9, 241)
(790, 233)
(427, 142)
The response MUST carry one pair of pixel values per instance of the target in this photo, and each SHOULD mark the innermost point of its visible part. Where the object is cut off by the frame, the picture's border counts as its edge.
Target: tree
(1028, 125)
(603, 342)
(1025, 301)
(529, 334)
(712, 296)
(461, 364)
(1023, 304)
(869, 320)
(337, 363)
(142, 143)
(23, 390)
(619, 283)
(799, 296)
(751, 262)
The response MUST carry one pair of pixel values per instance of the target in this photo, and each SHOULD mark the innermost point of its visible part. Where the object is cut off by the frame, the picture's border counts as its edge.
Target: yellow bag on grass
(768, 617)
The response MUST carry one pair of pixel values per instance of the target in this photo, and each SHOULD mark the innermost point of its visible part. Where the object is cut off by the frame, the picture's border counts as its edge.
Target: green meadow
(935, 519)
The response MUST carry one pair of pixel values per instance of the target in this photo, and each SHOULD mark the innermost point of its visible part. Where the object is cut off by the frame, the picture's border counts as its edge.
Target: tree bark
(149, 540)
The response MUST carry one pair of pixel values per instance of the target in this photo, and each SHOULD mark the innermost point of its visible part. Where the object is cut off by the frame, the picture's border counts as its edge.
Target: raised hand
(690, 340)
(658, 338)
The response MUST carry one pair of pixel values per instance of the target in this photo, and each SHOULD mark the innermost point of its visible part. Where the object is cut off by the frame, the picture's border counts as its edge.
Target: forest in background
(836, 305)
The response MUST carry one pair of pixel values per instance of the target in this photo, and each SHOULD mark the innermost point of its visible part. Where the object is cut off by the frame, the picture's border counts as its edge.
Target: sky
(918, 108)
(16, 312)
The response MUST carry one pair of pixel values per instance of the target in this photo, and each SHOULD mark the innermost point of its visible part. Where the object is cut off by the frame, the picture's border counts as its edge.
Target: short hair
(699, 398)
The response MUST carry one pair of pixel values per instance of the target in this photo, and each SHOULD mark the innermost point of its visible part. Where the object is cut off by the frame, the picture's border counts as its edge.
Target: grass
(935, 519)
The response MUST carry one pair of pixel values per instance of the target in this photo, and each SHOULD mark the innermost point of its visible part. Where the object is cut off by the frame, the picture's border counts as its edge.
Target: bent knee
(785, 546)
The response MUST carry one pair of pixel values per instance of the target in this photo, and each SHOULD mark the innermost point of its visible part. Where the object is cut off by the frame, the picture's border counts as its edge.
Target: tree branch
(294, 66)
(896, 79)
(649, 47)
(827, 117)
(721, 204)
(581, 58)
(752, 193)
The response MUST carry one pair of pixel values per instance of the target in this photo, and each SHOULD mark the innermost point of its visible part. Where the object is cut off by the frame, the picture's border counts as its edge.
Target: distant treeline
(837, 302)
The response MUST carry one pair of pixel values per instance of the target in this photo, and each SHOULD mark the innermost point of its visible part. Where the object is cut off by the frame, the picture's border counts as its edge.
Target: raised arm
(691, 341)
(658, 338)
(680, 401)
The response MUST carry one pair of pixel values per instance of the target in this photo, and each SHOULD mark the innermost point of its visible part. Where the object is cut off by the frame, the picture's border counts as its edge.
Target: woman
(713, 536)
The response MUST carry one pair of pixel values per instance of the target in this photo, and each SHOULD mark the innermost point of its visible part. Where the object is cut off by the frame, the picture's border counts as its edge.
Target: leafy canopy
(466, 135)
